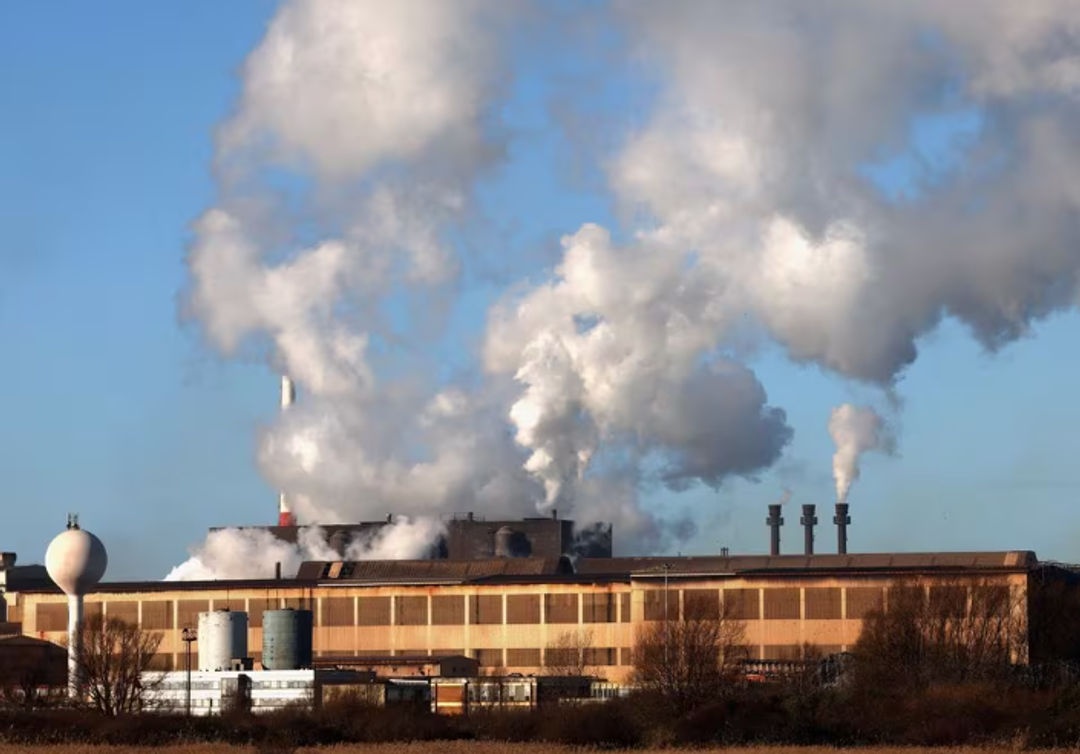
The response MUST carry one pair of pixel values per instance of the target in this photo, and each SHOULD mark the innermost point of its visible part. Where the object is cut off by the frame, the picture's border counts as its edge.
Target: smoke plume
(233, 553)
(834, 178)
(854, 430)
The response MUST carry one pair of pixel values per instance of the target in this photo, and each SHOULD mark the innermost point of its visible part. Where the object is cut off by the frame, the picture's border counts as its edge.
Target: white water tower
(76, 561)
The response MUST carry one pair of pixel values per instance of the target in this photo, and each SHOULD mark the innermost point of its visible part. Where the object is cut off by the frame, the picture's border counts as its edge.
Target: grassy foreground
(483, 747)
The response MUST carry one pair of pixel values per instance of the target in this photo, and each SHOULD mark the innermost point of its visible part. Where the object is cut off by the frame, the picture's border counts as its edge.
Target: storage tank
(504, 542)
(222, 638)
(286, 639)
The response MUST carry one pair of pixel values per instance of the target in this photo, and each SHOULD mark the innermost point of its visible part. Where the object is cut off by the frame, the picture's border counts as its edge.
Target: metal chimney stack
(808, 520)
(841, 519)
(288, 397)
(774, 521)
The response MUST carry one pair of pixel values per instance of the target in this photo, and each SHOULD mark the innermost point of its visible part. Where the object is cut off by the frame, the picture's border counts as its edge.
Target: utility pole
(187, 636)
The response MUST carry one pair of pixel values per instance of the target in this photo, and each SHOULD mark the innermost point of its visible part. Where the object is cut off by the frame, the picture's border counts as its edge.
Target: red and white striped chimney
(288, 397)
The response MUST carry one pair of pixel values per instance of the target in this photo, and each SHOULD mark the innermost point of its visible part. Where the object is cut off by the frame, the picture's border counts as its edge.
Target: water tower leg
(75, 620)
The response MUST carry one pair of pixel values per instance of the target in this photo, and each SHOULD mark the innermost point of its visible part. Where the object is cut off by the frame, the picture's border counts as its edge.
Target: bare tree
(113, 664)
(568, 654)
(691, 658)
(950, 632)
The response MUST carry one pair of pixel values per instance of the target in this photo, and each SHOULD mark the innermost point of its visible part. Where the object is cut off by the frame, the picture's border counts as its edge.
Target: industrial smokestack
(288, 397)
(841, 519)
(808, 520)
(774, 521)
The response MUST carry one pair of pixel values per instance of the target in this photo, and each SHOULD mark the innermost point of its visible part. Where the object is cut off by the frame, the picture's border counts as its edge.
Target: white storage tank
(222, 638)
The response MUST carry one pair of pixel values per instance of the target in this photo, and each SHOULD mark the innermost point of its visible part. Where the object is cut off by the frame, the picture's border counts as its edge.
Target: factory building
(514, 615)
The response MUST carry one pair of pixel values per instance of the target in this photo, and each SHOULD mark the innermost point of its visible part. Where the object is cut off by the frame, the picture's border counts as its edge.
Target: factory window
(598, 607)
(448, 610)
(52, 617)
(373, 611)
(337, 611)
(125, 610)
(742, 604)
(991, 601)
(489, 658)
(562, 657)
(626, 656)
(410, 611)
(255, 610)
(781, 604)
(662, 604)
(822, 603)
(161, 662)
(624, 607)
(298, 603)
(92, 609)
(782, 651)
(523, 658)
(948, 601)
(862, 600)
(485, 609)
(187, 612)
(523, 608)
(600, 656)
(157, 615)
(560, 608)
(701, 604)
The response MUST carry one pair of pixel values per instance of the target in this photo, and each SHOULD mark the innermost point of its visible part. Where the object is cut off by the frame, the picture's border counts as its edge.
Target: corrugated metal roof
(540, 570)
(1017, 560)
(432, 570)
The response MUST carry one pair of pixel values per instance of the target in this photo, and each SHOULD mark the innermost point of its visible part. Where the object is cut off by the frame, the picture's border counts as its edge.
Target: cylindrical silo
(504, 542)
(286, 639)
(222, 638)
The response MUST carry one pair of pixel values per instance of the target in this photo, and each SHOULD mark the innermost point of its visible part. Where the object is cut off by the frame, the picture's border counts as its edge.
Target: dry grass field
(486, 747)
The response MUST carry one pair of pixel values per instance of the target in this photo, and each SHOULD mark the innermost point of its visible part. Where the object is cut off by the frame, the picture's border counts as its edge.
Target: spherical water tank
(222, 638)
(75, 560)
(286, 639)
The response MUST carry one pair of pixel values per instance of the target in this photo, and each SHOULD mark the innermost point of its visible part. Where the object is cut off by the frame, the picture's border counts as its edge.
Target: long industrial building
(518, 614)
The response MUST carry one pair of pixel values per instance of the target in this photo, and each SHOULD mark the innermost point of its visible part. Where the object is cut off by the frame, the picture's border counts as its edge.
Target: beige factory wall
(508, 627)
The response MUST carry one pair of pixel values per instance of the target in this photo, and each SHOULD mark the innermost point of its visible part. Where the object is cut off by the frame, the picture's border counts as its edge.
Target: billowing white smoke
(254, 553)
(619, 350)
(771, 116)
(405, 539)
(250, 554)
(854, 430)
(374, 117)
(750, 205)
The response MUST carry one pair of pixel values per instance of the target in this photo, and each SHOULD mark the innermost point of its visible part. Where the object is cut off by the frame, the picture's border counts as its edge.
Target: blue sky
(117, 409)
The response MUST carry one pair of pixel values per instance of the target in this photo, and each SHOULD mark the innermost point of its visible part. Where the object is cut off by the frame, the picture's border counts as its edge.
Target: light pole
(188, 635)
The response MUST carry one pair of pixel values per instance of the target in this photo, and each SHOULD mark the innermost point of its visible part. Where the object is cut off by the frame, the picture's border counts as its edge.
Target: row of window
(811, 603)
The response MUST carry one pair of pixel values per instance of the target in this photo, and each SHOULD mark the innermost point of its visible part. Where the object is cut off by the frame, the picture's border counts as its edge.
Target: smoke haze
(750, 195)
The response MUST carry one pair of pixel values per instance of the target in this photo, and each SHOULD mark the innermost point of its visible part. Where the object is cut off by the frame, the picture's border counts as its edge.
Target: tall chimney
(841, 519)
(774, 521)
(808, 520)
(288, 397)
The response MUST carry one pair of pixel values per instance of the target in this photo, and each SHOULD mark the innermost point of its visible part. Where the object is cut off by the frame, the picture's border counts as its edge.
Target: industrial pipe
(841, 519)
(808, 520)
(774, 521)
